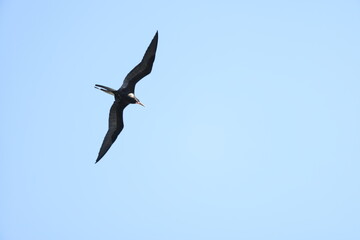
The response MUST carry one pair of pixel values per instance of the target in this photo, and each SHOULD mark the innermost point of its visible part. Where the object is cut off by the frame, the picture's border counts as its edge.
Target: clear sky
(251, 128)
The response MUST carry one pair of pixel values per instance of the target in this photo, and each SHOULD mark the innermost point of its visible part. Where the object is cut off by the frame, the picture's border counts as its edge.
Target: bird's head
(133, 99)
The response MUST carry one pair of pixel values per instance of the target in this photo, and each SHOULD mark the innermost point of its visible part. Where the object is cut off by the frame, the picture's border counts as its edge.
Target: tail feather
(105, 89)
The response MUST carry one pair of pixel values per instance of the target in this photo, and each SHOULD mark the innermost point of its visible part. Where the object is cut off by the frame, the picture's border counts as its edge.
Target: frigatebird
(125, 96)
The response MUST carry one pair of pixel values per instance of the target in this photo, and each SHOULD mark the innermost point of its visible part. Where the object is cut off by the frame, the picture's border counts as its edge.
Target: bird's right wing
(142, 69)
(116, 124)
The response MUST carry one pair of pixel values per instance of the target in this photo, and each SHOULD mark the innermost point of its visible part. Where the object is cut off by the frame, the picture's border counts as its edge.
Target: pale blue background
(251, 128)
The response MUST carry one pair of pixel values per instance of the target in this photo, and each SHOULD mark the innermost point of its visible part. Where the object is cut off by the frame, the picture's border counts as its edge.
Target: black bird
(125, 95)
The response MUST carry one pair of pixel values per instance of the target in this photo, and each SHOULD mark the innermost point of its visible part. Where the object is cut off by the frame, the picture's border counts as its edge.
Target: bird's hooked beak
(138, 102)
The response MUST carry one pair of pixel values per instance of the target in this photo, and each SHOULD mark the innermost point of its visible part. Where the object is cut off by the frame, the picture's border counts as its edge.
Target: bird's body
(125, 96)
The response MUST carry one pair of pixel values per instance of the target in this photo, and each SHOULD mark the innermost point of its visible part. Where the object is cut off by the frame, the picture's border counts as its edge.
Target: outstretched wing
(116, 124)
(142, 69)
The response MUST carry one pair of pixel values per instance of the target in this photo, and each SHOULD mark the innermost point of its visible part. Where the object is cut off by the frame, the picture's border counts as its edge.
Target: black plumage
(125, 96)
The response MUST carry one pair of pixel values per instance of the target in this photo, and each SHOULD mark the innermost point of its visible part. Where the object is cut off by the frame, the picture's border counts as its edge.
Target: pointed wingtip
(155, 40)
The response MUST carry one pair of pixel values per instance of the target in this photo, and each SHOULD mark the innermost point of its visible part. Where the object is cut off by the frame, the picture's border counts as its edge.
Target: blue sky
(250, 130)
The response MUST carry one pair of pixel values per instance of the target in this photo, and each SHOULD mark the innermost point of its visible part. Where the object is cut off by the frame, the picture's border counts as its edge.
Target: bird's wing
(142, 69)
(116, 124)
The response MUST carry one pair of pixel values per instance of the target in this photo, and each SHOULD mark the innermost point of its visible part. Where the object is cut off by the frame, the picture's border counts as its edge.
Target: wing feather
(116, 124)
(142, 69)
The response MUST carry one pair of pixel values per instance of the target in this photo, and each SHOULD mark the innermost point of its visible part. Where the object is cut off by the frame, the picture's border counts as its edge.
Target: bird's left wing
(142, 69)
(116, 124)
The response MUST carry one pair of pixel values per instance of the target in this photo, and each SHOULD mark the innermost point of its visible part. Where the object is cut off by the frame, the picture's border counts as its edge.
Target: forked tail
(105, 89)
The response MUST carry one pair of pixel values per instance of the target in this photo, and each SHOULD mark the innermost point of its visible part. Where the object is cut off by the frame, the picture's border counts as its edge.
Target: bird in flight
(125, 95)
